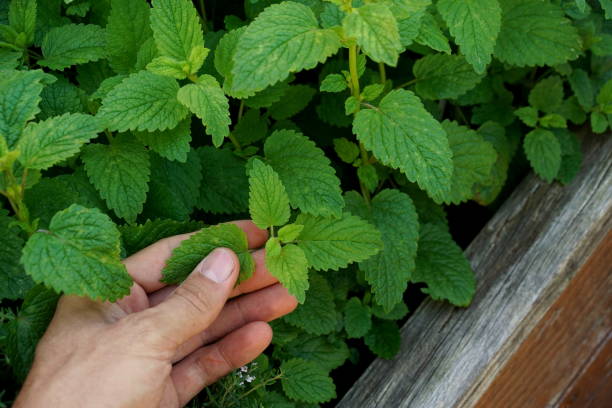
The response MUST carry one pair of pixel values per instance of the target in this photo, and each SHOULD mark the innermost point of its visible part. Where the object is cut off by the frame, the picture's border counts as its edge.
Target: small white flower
(244, 369)
(250, 378)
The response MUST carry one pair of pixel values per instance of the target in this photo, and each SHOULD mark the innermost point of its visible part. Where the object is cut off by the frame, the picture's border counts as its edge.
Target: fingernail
(218, 265)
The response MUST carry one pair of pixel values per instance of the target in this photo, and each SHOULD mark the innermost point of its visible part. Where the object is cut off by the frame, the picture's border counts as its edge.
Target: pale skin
(160, 345)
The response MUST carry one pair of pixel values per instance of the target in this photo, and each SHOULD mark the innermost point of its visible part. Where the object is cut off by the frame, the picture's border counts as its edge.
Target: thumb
(197, 302)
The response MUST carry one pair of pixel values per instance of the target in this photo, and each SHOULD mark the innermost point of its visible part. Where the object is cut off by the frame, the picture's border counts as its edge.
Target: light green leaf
(78, 255)
(395, 216)
(174, 188)
(384, 339)
(306, 381)
(288, 264)
(22, 18)
(442, 266)
(547, 95)
(284, 38)
(24, 332)
(528, 115)
(317, 314)
(168, 66)
(268, 201)
(13, 280)
(402, 134)
(544, 153)
(190, 253)
(224, 53)
(441, 76)
(535, 32)
(127, 30)
(143, 101)
(73, 44)
(120, 172)
(46, 143)
(431, 35)
(375, 29)
(19, 98)
(327, 352)
(473, 159)
(225, 185)
(475, 25)
(310, 180)
(176, 28)
(207, 100)
(357, 318)
(173, 144)
(334, 83)
(333, 243)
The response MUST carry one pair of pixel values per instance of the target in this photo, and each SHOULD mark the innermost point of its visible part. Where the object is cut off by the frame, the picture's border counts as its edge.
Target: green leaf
(431, 35)
(294, 100)
(176, 28)
(284, 38)
(304, 169)
(527, 115)
(599, 122)
(207, 100)
(571, 156)
(172, 144)
(143, 101)
(334, 83)
(384, 339)
(289, 233)
(225, 184)
(306, 381)
(581, 85)
(333, 243)
(78, 255)
(289, 265)
(553, 120)
(46, 143)
(13, 280)
(174, 188)
(317, 313)
(24, 332)
(268, 201)
(535, 33)
(58, 98)
(251, 128)
(375, 29)
(139, 236)
(190, 253)
(327, 352)
(441, 265)
(402, 134)
(494, 133)
(347, 151)
(604, 98)
(120, 172)
(473, 159)
(544, 153)
(22, 18)
(441, 76)
(224, 53)
(547, 95)
(19, 98)
(475, 25)
(127, 30)
(73, 44)
(395, 216)
(398, 312)
(357, 318)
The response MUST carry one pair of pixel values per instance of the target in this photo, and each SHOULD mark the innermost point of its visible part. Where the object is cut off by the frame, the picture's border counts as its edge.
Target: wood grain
(524, 258)
(563, 344)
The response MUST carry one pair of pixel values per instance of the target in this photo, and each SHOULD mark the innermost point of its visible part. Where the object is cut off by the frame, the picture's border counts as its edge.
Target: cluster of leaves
(123, 122)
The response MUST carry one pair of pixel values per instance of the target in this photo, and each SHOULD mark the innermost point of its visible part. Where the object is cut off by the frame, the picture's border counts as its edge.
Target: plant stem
(241, 110)
(235, 142)
(109, 136)
(202, 10)
(411, 82)
(357, 94)
(383, 72)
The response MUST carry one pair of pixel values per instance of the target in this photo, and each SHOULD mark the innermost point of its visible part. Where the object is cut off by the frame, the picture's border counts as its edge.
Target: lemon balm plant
(343, 127)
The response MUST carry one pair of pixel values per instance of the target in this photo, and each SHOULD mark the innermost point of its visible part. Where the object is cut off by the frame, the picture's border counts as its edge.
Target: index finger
(146, 266)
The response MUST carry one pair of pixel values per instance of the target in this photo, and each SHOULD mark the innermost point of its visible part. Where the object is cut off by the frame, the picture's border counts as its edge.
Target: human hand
(160, 345)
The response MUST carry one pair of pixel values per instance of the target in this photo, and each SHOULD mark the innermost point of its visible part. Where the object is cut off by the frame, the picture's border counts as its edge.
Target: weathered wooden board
(524, 259)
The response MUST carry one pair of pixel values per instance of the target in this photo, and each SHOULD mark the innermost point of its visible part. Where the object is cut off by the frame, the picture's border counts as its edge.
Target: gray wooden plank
(523, 259)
